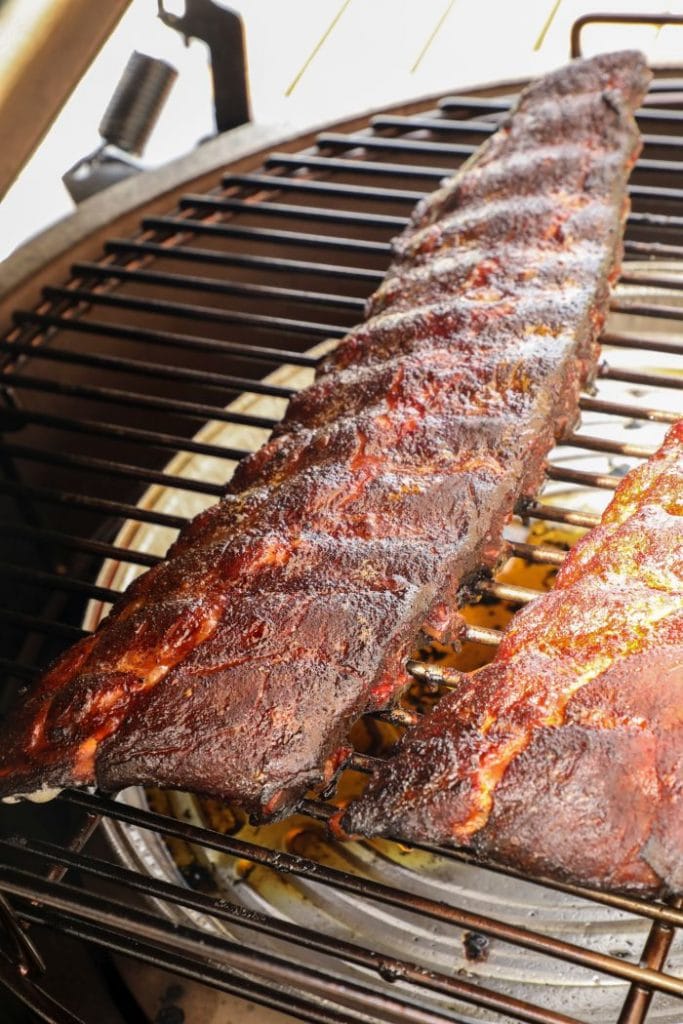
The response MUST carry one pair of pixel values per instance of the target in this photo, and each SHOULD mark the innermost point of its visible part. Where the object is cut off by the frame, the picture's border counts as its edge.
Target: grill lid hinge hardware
(658, 20)
(222, 31)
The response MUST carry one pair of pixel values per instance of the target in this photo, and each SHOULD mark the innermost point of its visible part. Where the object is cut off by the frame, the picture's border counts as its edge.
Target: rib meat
(564, 756)
(236, 666)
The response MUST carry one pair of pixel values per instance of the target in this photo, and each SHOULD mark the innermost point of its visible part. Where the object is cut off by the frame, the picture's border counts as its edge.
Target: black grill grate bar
(508, 591)
(202, 411)
(557, 514)
(485, 128)
(385, 168)
(113, 396)
(274, 182)
(304, 937)
(631, 411)
(423, 122)
(231, 953)
(198, 970)
(653, 192)
(531, 552)
(603, 481)
(39, 578)
(92, 464)
(214, 285)
(260, 353)
(221, 381)
(537, 552)
(657, 380)
(662, 141)
(337, 140)
(284, 183)
(301, 867)
(302, 213)
(326, 214)
(652, 250)
(659, 280)
(179, 225)
(433, 674)
(364, 762)
(503, 104)
(391, 144)
(159, 955)
(138, 514)
(665, 918)
(154, 438)
(618, 304)
(156, 249)
(153, 954)
(397, 715)
(347, 164)
(82, 544)
(78, 838)
(103, 506)
(211, 314)
(116, 246)
(669, 915)
(653, 343)
(650, 165)
(637, 308)
(474, 634)
(497, 104)
(135, 513)
(636, 219)
(36, 623)
(600, 444)
(206, 255)
(654, 220)
(654, 955)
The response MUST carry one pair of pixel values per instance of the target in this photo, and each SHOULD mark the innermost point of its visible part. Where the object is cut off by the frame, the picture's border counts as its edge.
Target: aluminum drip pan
(508, 968)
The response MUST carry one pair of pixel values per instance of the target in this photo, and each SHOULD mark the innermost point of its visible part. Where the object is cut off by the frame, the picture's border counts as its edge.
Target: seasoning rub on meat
(564, 756)
(236, 666)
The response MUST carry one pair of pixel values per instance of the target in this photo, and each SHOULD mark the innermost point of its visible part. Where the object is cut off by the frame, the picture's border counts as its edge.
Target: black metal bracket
(125, 127)
(618, 19)
(222, 31)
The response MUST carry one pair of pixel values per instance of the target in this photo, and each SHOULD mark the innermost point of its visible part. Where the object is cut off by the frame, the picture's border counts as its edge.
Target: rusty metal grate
(118, 368)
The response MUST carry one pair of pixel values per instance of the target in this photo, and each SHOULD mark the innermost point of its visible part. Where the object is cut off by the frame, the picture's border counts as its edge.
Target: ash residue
(476, 946)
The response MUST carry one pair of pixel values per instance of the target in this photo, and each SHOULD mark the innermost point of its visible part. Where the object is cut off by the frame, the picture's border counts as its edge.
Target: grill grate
(179, 321)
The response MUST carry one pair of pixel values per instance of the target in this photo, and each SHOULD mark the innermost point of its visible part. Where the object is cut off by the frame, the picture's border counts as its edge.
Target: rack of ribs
(236, 666)
(564, 756)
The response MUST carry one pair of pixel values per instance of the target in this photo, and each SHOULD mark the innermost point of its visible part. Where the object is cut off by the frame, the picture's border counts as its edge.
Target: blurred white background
(317, 60)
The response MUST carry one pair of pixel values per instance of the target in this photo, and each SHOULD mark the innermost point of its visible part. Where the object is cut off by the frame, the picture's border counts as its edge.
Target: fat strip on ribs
(236, 666)
(564, 756)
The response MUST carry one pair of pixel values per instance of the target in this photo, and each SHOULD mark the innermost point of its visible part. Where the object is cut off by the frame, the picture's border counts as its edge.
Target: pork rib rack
(564, 756)
(236, 666)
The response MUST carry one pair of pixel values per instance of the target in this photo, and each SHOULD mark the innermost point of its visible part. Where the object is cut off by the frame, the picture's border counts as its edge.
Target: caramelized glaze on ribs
(236, 666)
(564, 756)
